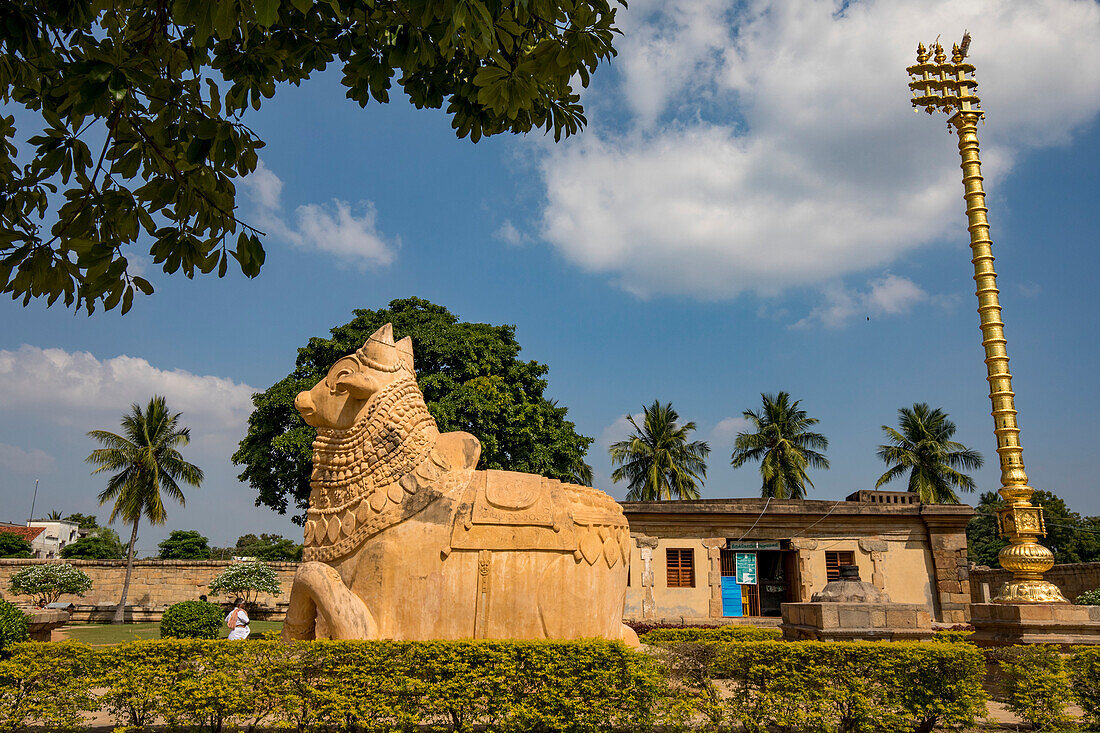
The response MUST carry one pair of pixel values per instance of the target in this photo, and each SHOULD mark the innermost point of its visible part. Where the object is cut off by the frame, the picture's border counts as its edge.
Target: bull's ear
(405, 352)
(357, 384)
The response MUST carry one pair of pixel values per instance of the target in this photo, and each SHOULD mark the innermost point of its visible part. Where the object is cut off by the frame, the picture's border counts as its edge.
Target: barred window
(833, 561)
(680, 564)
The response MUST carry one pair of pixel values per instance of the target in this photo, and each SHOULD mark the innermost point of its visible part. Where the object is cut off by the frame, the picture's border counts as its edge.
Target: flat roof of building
(755, 505)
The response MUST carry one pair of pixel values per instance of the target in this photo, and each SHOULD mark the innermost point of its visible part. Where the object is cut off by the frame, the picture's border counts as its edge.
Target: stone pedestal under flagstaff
(1004, 624)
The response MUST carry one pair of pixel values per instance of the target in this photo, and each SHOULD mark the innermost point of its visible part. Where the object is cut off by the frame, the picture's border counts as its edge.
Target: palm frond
(922, 445)
(659, 461)
(784, 445)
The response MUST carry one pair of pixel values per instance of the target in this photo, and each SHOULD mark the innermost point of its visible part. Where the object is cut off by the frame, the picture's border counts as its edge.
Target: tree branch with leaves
(158, 91)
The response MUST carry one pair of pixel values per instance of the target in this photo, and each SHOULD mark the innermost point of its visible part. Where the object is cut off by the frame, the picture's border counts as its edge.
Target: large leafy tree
(103, 544)
(922, 446)
(12, 545)
(659, 461)
(145, 461)
(268, 547)
(472, 379)
(1071, 537)
(137, 107)
(84, 521)
(784, 444)
(184, 544)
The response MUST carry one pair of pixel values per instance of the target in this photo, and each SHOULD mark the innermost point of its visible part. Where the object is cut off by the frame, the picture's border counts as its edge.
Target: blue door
(731, 597)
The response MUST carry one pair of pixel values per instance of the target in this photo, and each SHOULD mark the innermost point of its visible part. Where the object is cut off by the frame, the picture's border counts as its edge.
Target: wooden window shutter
(680, 566)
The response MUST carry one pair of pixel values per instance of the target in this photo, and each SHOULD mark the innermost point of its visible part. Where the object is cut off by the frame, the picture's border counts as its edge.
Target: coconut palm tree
(924, 448)
(54, 516)
(146, 463)
(658, 461)
(783, 445)
(581, 473)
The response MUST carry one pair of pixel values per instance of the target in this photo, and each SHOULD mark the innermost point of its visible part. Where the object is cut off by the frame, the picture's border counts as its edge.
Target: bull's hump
(461, 450)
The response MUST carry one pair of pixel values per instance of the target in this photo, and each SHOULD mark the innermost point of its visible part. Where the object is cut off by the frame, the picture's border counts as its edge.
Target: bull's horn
(379, 351)
(405, 352)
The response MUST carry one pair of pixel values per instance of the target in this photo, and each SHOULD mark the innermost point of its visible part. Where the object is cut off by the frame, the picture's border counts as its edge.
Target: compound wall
(154, 585)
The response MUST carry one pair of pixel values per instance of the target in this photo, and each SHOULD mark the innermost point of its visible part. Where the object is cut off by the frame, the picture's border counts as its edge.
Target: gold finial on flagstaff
(949, 87)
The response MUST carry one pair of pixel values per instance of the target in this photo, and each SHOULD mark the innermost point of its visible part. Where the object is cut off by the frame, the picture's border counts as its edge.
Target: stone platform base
(856, 621)
(42, 622)
(1002, 624)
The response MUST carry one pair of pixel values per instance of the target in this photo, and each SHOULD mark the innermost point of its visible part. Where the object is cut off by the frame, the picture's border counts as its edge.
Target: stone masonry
(154, 585)
(952, 570)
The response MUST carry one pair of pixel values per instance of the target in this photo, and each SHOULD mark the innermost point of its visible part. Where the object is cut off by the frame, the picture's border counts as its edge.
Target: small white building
(56, 536)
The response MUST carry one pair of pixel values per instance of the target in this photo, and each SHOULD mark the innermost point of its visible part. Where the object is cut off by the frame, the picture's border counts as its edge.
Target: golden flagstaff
(949, 87)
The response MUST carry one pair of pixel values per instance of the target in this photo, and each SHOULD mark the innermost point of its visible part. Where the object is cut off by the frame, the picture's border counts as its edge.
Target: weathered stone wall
(154, 585)
(1073, 578)
(952, 574)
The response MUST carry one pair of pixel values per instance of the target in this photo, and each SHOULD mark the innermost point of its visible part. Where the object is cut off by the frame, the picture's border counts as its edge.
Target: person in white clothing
(237, 621)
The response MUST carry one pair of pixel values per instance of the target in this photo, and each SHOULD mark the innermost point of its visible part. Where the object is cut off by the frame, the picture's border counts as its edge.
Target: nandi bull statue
(405, 540)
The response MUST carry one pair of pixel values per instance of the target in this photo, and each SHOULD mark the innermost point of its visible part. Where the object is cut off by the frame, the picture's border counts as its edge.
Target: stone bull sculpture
(405, 540)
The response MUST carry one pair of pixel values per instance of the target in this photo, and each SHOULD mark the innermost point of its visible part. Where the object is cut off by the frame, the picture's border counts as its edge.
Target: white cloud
(77, 389)
(509, 234)
(771, 145)
(619, 430)
(49, 399)
(337, 230)
(264, 187)
(887, 296)
(348, 232)
(723, 434)
(19, 460)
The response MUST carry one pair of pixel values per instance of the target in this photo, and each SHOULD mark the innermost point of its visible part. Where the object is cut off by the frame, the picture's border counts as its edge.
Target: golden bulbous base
(1029, 591)
(1025, 557)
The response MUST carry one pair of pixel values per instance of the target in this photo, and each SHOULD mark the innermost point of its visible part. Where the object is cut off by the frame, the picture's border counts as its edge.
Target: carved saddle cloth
(505, 510)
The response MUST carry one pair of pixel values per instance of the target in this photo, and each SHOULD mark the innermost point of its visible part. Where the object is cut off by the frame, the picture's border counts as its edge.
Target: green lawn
(108, 634)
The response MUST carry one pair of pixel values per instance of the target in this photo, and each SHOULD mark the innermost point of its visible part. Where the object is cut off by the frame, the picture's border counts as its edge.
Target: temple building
(707, 560)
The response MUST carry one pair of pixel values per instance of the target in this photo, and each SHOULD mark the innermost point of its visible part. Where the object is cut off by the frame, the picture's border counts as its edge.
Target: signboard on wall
(752, 545)
(745, 568)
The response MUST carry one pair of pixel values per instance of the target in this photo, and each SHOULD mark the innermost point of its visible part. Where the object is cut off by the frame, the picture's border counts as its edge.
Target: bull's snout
(303, 403)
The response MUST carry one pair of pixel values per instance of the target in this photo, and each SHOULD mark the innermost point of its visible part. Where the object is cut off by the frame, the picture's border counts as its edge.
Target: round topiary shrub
(13, 625)
(191, 620)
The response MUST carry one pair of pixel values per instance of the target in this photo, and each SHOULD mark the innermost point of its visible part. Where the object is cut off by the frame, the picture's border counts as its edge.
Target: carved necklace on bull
(365, 471)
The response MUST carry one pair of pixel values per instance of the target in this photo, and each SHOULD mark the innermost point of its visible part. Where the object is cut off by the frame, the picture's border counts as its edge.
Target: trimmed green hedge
(833, 686)
(13, 625)
(1084, 671)
(192, 620)
(1037, 685)
(710, 635)
(47, 684)
(798, 687)
(363, 686)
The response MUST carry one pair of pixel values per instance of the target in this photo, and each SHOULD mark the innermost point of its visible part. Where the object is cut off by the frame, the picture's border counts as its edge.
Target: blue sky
(752, 208)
